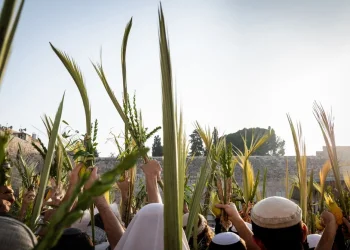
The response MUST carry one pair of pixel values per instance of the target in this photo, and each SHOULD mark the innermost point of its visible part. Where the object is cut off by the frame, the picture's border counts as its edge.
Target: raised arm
(328, 235)
(112, 225)
(152, 172)
(241, 227)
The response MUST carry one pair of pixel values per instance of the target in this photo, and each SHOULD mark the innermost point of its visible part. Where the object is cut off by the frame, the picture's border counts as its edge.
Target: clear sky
(237, 64)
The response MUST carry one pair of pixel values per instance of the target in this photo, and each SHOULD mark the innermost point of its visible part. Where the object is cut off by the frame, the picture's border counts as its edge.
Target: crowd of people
(276, 223)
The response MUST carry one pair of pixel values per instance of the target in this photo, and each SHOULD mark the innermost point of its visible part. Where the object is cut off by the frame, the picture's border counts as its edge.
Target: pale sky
(237, 64)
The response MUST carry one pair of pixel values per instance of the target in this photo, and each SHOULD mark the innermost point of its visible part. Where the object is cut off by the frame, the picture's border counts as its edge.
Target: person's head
(72, 239)
(277, 224)
(146, 230)
(204, 232)
(15, 235)
(312, 240)
(227, 241)
(100, 234)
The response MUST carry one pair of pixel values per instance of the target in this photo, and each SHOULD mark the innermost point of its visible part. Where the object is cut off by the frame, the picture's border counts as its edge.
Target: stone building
(25, 141)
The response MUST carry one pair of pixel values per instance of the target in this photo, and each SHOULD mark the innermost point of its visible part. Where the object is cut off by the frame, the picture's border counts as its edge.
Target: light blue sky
(236, 63)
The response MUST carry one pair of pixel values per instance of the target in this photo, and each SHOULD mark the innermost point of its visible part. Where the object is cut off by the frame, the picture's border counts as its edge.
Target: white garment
(146, 230)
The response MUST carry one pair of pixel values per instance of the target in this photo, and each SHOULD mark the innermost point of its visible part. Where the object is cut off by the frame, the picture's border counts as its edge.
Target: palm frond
(172, 211)
(323, 177)
(77, 76)
(47, 165)
(326, 123)
(7, 31)
(301, 162)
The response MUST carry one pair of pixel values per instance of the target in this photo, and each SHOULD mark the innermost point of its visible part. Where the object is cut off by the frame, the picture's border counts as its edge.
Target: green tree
(274, 146)
(197, 147)
(157, 148)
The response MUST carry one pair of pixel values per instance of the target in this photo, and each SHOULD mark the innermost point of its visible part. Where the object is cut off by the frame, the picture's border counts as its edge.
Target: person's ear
(259, 243)
(305, 231)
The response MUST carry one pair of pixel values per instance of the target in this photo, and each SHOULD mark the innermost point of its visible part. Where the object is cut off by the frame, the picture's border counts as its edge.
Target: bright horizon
(235, 64)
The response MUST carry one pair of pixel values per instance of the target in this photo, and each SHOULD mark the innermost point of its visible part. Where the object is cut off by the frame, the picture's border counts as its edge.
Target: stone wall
(276, 169)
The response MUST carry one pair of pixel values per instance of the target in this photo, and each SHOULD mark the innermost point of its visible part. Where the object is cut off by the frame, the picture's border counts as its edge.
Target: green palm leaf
(172, 211)
(47, 165)
(7, 31)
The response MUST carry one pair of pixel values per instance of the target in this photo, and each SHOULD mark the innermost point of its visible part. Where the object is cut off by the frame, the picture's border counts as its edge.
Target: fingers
(221, 206)
(77, 168)
(94, 174)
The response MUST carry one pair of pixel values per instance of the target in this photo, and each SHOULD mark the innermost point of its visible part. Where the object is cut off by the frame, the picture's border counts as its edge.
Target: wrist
(151, 177)
(100, 201)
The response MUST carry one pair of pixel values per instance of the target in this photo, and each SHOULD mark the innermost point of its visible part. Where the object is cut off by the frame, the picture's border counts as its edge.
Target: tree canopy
(157, 148)
(274, 146)
(197, 147)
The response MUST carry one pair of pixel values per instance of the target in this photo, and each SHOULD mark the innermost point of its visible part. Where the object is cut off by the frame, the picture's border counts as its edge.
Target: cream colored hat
(201, 226)
(313, 239)
(276, 212)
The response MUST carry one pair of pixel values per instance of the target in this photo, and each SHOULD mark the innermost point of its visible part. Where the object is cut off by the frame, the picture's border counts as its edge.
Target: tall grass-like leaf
(346, 177)
(182, 152)
(172, 211)
(326, 123)
(197, 197)
(243, 160)
(264, 183)
(64, 217)
(123, 61)
(47, 165)
(77, 76)
(323, 176)
(310, 201)
(211, 150)
(300, 155)
(7, 31)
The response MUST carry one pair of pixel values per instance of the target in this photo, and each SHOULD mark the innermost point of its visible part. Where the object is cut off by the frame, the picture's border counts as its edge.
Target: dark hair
(73, 239)
(289, 238)
(204, 238)
(98, 221)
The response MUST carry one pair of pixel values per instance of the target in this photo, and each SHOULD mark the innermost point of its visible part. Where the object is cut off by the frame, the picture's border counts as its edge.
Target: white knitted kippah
(313, 240)
(276, 212)
(226, 238)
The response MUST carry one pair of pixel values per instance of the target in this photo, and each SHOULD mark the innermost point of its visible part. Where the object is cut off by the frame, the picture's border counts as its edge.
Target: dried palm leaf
(300, 155)
(326, 123)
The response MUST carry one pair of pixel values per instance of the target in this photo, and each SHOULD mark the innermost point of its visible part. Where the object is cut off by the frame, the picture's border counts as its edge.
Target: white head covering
(233, 229)
(146, 230)
(276, 212)
(313, 240)
(201, 226)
